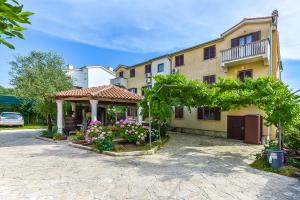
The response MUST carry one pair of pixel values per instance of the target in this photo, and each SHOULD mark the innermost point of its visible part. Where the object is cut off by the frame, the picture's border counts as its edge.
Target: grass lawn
(131, 147)
(22, 127)
(262, 164)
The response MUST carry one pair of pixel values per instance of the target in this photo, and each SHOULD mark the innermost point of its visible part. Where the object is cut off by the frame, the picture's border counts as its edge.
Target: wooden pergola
(95, 96)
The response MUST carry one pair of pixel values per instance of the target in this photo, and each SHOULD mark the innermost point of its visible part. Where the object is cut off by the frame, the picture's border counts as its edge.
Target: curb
(117, 154)
(45, 139)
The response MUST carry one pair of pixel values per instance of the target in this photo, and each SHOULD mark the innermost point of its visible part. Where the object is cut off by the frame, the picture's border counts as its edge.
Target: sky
(108, 33)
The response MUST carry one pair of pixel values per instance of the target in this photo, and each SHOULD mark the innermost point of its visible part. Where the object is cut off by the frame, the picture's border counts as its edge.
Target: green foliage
(272, 145)
(7, 91)
(293, 161)
(80, 135)
(11, 18)
(270, 95)
(49, 133)
(105, 144)
(39, 76)
(56, 136)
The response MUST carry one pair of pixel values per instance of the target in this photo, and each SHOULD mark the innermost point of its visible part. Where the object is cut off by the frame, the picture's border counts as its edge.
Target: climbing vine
(270, 95)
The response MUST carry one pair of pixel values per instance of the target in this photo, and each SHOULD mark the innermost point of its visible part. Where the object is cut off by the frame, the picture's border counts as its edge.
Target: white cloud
(158, 25)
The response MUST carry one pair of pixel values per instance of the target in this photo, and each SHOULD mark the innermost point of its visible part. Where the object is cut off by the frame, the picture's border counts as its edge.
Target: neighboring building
(248, 49)
(90, 76)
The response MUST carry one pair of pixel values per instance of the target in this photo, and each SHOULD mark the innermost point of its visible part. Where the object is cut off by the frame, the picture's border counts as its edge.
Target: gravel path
(188, 167)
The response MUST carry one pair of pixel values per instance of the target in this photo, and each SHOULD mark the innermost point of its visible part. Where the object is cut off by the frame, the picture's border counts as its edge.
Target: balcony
(251, 52)
(119, 81)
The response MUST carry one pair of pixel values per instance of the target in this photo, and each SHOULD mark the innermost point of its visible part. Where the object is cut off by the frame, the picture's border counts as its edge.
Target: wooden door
(236, 127)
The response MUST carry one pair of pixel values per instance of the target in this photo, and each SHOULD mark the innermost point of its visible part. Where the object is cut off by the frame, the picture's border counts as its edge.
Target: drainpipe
(170, 60)
(270, 74)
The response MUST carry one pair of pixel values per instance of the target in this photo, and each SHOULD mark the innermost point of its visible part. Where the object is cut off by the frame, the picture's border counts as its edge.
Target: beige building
(247, 49)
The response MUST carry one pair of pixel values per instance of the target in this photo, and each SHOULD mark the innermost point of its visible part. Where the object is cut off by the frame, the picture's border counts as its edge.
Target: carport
(95, 97)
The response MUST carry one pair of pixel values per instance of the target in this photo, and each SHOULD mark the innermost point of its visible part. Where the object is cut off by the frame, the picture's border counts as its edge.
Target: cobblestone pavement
(188, 167)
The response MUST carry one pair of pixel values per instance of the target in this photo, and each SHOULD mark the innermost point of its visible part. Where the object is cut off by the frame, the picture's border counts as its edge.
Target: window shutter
(256, 36)
(121, 74)
(217, 112)
(241, 75)
(213, 51)
(206, 53)
(200, 113)
(177, 61)
(213, 79)
(182, 60)
(235, 42)
(147, 68)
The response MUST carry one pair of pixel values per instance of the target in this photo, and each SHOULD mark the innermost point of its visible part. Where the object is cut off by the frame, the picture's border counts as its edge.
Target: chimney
(275, 16)
(69, 66)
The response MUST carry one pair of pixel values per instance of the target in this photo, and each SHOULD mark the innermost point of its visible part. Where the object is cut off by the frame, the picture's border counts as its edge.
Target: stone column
(140, 117)
(73, 109)
(94, 105)
(59, 116)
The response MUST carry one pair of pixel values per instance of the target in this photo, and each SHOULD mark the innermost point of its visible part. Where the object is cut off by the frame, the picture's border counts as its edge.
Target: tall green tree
(6, 91)
(12, 17)
(39, 76)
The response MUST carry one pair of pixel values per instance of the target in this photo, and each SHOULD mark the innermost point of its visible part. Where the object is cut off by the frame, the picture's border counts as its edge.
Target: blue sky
(130, 31)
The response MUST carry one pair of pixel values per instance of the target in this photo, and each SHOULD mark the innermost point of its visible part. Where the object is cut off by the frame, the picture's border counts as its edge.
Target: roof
(246, 21)
(104, 93)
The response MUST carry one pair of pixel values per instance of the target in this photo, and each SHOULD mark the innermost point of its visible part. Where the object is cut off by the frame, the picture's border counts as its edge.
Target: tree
(6, 91)
(11, 18)
(39, 76)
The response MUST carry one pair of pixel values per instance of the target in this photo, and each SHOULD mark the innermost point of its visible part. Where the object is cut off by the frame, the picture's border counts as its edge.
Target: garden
(123, 136)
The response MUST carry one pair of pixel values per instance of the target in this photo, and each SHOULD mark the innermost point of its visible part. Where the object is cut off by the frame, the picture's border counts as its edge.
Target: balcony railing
(120, 81)
(260, 47)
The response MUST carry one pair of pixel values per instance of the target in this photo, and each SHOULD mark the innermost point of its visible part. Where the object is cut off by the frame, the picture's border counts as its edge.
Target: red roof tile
(109, 92)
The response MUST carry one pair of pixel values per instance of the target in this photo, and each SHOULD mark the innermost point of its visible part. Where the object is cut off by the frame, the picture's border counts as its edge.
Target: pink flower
(117, 122)
(138, 143)
(87, 140)
(122, 126)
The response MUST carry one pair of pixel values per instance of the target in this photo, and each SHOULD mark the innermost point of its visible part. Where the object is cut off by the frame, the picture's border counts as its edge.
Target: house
(90, 76)
(250, 48)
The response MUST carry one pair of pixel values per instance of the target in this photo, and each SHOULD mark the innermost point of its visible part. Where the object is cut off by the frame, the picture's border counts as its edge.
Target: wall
(98, 76)
(79, 77)
(154, 67)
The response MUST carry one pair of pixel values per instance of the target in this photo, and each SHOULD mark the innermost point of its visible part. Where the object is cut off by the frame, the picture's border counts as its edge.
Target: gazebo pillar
(59, 116)
(73, 109)
(140, 117)
(94, 105)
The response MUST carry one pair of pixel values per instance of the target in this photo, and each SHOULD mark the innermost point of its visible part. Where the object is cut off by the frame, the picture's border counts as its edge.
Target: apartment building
(90, 76)
(250, 48)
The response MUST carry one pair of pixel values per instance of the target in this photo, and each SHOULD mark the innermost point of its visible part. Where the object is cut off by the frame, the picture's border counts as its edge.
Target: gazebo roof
(102, 93)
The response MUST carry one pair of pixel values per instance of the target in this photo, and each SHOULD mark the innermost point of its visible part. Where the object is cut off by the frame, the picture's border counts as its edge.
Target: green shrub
(106, 144)
(80, 135)
(261, 162)
(292, 139)
(293, 161)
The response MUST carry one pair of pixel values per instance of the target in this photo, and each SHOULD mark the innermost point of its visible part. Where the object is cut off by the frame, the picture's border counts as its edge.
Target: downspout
(270, 73)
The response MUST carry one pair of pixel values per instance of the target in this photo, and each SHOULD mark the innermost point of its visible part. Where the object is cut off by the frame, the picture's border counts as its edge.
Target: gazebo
(97, 98)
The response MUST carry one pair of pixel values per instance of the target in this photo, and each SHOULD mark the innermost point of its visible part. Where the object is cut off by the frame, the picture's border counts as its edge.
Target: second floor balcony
(250, 52)
(119, 81)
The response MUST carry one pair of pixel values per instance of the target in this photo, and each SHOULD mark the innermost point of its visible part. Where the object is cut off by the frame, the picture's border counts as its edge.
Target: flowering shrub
(158, 127)
(132, 131)
(99, 135)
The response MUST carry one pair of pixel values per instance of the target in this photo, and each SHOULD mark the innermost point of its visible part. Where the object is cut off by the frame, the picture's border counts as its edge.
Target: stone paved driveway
(189, 167)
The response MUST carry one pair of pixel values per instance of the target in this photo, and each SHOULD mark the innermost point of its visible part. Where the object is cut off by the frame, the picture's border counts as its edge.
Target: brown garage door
(235, 127)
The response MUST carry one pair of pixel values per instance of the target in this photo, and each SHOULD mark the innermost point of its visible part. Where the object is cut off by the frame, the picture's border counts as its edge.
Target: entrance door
(236, 127)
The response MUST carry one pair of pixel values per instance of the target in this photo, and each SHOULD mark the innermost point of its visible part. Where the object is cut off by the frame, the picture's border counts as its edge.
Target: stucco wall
(98, 76)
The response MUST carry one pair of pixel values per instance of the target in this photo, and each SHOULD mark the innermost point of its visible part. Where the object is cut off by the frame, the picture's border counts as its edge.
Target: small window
(160, 67)
(209, 52)
(132, 73)
(179, 60)
(134, 90)
(209, 79)
(245, 73)
(121, 74)
(178, 112)
(206, 113)
(148, 68)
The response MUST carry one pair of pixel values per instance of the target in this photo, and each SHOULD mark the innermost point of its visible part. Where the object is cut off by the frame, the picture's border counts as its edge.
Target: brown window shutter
(182, 60)
(256, 36)
(213, 79)
(235, 42)
(217, 112)
(121, 74)
(248, 73)
(177, 61)
(132, 73)
(178, 112)
(213, 51)
(200, 113)
(206, 53)
(147, 68)
(241, 75)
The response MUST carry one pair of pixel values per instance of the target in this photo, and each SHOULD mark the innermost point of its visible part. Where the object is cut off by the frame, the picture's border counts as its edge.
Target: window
(134, 90)
(148, 68)
(245, 73)
(131, 111)
(178, 112)
(206, 113)
(146, 87)
(132, 73)
(245, 39)
(179, 60)
(121, 74)
(160, 67)
(209, 79)
(209, 52)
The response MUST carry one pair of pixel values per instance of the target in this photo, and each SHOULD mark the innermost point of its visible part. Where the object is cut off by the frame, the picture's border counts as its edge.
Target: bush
(292, 139)
(80, 135)
(159, 126)
(101, 136)
(56, 136)
(132, 131)
(49, 134)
